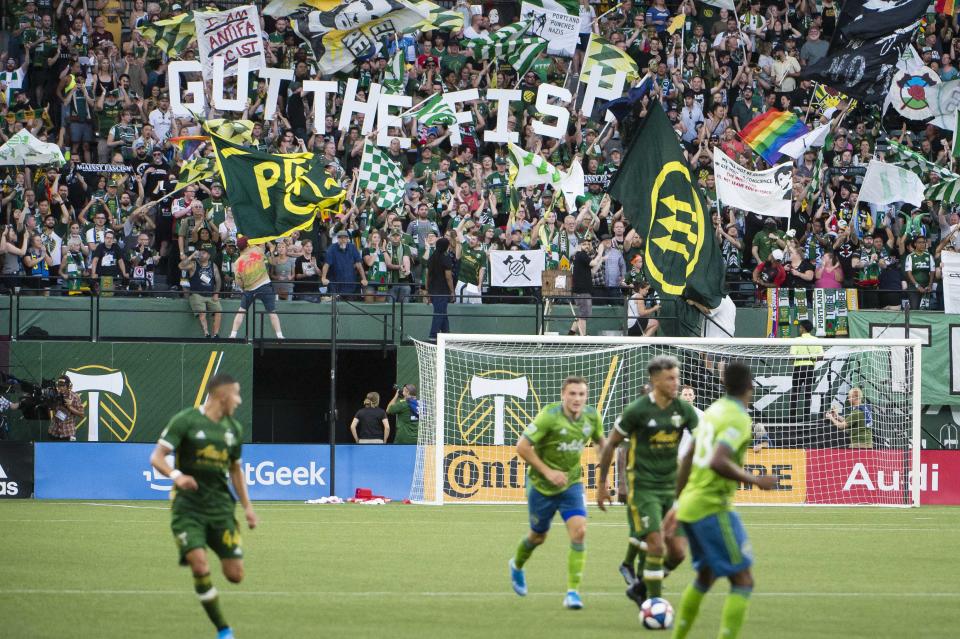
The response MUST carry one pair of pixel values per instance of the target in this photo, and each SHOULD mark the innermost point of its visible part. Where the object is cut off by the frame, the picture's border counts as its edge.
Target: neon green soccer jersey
(559, 442)
(725, 422)
(204, 449)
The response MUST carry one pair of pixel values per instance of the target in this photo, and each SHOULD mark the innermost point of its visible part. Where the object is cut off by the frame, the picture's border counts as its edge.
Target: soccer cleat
(518, 580)
(637, 592)
(572, 600)
(226, 633)
(628, 574)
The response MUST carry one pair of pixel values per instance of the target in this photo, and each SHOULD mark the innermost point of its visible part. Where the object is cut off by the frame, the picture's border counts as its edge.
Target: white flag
(815, 138)
(232, 34)
(763, 192)
(517, 268)
(532, 170)
(888, 183)
(950, 264)
(23, 149)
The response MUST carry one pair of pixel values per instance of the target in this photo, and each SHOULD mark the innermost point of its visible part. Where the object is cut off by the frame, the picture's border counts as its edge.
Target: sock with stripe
(575, 560)
(209, 599)
(653, 575)
(524, 550)
(641, 560)
(688, 609)
(734, 612)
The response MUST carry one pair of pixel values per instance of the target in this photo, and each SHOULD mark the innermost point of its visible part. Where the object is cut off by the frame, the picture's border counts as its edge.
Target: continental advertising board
(496, 474)
(130, 390)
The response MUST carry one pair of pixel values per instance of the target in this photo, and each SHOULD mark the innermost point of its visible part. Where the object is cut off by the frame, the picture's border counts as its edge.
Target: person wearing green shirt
(216, 205)
(108, 114)
(470, 276)
(655, 425)
(707, 481)
(552, 446)
(498, 183)
(767, 239)
(406, 407)
(857, 422)
(919, 269)
(207, 441)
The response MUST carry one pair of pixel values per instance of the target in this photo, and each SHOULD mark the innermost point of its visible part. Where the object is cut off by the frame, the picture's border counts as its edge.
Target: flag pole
(740, 32)
(806, 115)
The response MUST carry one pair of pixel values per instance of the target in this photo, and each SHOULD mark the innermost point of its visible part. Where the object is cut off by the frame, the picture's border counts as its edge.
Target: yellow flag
(677, 23)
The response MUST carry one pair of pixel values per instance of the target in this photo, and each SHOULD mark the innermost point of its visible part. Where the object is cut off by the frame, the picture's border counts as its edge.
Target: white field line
(431, 594)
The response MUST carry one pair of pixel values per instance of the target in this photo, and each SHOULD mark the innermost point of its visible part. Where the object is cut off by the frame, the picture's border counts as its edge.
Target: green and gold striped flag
(171, 36)
(196, 170)
(525, 54)
(945, 191)
(438, 19)
(500, 43)
(601, 53)
(435, 111)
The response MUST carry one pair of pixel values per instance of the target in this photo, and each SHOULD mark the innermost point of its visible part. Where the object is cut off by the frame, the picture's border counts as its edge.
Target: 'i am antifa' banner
(232, 34)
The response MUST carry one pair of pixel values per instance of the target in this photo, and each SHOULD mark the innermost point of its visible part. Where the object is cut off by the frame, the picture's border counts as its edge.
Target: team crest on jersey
(563, 431)
(652, 423)
(229, 438)
(586, 430)
(676, 420)
(200, 435)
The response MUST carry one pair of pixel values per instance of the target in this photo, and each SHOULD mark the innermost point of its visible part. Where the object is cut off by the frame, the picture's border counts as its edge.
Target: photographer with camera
(66, 409)
(5, 405)
(406, 407)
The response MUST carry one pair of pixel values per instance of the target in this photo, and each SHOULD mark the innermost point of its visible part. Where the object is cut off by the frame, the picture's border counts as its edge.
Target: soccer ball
(656, 614)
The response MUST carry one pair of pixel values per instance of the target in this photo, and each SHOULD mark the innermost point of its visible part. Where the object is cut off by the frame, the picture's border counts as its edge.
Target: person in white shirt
(53, 244)
(12, 77)
(161, 118)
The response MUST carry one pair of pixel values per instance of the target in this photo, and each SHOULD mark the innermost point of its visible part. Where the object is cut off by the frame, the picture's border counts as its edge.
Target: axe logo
(108, 400)
(516, 267)
(495, 407)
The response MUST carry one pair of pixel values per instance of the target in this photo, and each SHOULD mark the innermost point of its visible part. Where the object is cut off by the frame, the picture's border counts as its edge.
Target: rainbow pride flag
(769, 131)
(945, 7)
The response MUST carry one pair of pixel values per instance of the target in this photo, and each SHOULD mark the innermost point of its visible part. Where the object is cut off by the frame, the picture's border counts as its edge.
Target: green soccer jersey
(559, 442)
(860, 435)
(205, 450)
(655, 435)
(921, 265)
(471, 262)
(706, 493)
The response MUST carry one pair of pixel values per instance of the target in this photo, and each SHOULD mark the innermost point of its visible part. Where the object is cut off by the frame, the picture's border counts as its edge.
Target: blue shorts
(266, 294)
(719, 542)
(571, 503)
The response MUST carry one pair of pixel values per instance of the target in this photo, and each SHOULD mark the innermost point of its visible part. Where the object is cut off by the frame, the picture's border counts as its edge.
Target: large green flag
(273, 195)
(663, 203)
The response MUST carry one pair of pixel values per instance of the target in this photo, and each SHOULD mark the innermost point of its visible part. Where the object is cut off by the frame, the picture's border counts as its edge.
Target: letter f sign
(93, 385)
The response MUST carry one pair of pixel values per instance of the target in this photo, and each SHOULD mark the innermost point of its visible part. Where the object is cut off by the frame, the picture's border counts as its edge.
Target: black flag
(863, 68)
(862, 19)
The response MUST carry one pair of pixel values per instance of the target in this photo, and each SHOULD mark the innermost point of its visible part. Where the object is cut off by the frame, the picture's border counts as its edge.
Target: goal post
(837, 428)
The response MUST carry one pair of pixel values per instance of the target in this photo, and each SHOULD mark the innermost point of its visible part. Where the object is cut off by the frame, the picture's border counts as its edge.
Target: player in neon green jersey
(207, 442)
(655, 425)
(706, 484)
(552, 446)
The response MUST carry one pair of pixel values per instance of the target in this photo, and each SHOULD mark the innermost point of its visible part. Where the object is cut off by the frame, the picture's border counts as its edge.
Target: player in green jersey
(206, 442)
(552, 446)
(706, 484)
(655, 425)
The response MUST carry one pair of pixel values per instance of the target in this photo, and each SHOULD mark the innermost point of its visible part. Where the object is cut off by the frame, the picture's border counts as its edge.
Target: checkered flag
(383, 175)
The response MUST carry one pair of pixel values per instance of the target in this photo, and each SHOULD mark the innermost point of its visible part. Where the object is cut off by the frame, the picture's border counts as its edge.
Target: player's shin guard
(734, 612)
(688, 609)
(575, 560)
(209, 600)
(524, 550)
(653, 575)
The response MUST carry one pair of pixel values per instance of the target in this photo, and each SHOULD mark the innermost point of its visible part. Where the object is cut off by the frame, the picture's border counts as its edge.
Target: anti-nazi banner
(233, 34)
(762, 192)
(556, 21)
(516, 268)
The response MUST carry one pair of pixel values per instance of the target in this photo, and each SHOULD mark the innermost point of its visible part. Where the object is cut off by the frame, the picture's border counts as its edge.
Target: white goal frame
(440, 373)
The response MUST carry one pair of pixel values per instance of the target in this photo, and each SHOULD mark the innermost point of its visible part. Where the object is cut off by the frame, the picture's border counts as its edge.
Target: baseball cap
(777, 254)
(842, 224)
(175, 7)
(342, 234)
(770, 221)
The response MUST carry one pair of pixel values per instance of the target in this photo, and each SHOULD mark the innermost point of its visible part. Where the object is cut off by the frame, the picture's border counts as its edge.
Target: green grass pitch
(109, 570)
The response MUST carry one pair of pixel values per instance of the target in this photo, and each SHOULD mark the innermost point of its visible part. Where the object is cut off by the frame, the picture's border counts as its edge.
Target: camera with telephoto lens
(35, 399)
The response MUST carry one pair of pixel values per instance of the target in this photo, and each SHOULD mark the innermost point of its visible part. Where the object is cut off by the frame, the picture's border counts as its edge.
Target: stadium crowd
(78, 73)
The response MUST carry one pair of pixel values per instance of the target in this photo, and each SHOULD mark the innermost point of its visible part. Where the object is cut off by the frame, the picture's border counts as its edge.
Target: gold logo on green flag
(677, 226)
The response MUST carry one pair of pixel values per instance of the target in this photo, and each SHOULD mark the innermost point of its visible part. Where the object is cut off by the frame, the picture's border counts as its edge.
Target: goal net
(837, 428)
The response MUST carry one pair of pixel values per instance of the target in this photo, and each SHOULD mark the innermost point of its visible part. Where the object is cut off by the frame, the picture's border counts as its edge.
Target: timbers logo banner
(273, 195)
(663, 202)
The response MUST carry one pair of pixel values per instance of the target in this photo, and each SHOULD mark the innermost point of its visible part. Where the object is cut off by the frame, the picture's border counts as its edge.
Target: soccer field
(105, 570)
